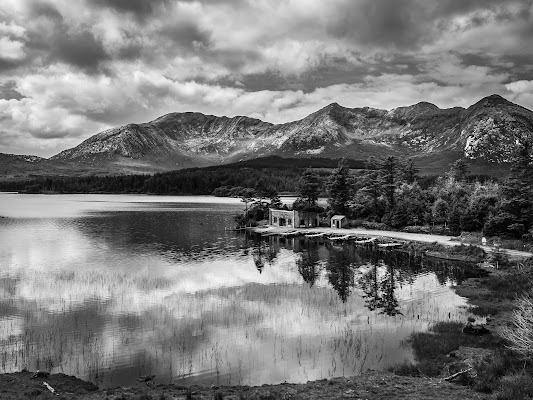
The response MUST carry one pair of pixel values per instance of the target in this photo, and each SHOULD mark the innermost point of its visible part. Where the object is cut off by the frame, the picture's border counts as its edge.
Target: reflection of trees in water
(454, 271)
(263, 253)
(379, 290)
(340, 267)
(389, 268)
(309, 263)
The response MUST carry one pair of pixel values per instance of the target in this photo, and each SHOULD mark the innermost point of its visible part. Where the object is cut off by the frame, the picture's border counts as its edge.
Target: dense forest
(389, 193)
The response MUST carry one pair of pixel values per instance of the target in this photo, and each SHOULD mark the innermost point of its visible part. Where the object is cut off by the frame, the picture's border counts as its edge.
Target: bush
(356, 223)
(489, 372)
(499, 258)
(375, 225)
(520, 336)
(509, 286)
(416, 229)
(439, 230)
(405, 369)
(517, 386)
(431, 348)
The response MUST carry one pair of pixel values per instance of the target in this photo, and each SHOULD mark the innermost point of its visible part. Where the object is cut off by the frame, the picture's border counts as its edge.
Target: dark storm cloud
(7, 65)
(75, 46)
(142, 9)
(8, 91)
(411, 23)
(80, 49)
(186, 33)
(46, 10)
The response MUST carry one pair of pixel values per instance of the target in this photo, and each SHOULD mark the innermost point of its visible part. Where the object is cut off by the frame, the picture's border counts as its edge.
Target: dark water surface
(109, 288)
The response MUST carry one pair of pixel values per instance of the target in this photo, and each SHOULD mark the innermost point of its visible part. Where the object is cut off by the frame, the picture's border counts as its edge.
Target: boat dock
(328, 234)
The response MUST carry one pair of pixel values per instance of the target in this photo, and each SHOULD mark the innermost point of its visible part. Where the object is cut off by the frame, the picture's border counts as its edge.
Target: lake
(112, 287)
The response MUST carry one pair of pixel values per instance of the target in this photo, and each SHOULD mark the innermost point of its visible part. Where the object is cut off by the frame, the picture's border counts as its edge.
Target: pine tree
(459, 170)
(388, 173)
(514, 217)
(409, 172)
(373, 187)
(339, 188)
(309, 188)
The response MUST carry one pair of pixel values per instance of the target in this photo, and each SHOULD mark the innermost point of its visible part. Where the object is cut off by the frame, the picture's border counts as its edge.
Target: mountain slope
(492, 127)
(178, 135)
(487, 131)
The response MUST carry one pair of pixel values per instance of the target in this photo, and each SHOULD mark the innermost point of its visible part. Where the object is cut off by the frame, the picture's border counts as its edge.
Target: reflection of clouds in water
(128, 293)
(136, 291)
(249, 321)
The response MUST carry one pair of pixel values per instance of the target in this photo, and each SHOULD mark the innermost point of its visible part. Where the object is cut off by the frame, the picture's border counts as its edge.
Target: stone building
(293, 218)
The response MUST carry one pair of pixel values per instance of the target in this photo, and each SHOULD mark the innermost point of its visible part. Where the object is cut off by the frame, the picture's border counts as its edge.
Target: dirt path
(414, 237)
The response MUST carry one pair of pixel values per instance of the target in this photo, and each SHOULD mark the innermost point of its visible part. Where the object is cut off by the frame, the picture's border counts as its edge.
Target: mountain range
(486, 132)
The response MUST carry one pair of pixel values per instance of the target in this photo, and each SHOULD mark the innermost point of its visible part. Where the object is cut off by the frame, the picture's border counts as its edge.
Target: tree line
(222, 181)
(388, 192)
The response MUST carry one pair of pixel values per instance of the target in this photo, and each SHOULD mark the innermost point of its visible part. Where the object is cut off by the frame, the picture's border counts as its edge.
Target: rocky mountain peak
(487, 130)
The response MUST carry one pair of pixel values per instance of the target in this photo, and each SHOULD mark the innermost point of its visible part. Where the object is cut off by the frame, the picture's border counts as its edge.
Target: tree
(459, 170)
(309, 188)
(339, 188)
(275, 201)
(454, 216)
(247, 197)
(411, 205)
(388, 173)
(440, 210)
(409, 172)
(368, 200)
(514, 216)
(520, 336)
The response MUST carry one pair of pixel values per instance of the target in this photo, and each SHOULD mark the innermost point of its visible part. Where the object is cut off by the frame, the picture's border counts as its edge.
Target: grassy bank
(492, 368)
(371, 386)
(457, 253)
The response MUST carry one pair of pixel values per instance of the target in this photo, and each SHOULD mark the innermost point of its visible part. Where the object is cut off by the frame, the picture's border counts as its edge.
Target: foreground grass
(498, 371)
(372, 385)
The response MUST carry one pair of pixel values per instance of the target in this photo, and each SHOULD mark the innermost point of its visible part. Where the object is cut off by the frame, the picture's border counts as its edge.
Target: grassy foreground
(371, 386)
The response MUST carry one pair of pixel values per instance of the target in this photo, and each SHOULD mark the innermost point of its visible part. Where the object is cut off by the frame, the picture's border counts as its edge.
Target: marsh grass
(483, 311)
(468, 251)
(432, 348)
(516, 386)
(509, 286)
(501, 372)
(405, 369)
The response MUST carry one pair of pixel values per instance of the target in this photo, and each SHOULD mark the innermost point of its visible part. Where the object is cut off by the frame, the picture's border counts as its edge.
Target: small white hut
(339, 221)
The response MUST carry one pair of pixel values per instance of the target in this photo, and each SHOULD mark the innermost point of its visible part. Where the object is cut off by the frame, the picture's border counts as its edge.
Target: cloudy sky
(71, 68)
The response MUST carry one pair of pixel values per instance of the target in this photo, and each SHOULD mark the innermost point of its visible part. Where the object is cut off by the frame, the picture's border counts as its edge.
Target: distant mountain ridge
(487, 131)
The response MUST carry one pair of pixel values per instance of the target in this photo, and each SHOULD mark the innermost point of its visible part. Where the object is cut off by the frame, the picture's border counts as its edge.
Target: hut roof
(338, 217)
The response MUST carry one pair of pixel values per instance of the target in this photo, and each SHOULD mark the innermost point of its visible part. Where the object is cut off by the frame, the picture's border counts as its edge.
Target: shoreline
(371, 385)
(396, 235)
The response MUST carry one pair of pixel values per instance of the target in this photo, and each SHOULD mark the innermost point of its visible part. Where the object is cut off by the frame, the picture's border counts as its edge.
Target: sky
(72, 68)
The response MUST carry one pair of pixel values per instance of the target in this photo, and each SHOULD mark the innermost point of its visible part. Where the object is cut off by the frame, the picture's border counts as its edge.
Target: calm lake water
(112, 287)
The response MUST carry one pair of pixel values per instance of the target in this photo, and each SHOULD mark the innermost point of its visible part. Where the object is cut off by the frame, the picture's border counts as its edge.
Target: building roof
(338, 217)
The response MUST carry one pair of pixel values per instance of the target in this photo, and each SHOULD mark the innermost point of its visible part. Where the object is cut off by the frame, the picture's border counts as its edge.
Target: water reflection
(113, 291)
